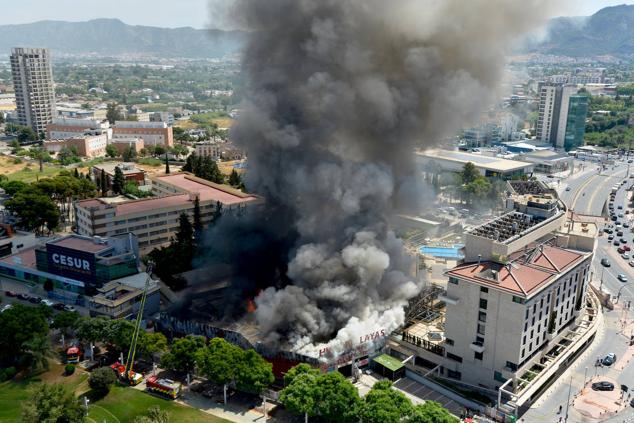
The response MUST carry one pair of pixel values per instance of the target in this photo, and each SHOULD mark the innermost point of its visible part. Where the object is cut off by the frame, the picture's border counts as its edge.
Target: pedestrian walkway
(599, 404)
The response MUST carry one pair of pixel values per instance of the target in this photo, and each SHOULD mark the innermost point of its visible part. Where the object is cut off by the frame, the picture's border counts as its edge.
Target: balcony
(477, 346)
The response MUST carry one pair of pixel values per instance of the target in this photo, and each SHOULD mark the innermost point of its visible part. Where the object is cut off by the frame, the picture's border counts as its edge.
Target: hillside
(111, 37)
(610, 31)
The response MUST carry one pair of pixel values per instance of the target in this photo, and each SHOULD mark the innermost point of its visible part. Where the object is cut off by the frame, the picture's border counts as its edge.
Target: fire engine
(165, 387)
(73, 354)
(133, 378)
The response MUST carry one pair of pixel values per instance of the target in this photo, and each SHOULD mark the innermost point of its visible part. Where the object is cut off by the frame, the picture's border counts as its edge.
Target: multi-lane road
(588, 194)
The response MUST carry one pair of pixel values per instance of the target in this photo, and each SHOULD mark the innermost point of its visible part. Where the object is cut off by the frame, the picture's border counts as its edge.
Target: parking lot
(422, 392)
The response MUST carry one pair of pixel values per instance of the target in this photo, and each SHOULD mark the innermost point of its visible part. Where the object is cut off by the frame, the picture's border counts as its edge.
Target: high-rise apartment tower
(33, 84)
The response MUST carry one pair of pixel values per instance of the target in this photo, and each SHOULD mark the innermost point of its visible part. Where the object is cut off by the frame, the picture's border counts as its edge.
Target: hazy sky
(168, 13)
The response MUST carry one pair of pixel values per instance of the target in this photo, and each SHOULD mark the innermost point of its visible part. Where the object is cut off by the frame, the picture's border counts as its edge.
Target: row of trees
(204, 167)
(469, 186)
(331, 396)
(40, 205)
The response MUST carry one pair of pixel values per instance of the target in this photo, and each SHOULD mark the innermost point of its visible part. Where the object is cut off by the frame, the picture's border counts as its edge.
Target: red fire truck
(73, 354)
(132, 378)
(164, 387)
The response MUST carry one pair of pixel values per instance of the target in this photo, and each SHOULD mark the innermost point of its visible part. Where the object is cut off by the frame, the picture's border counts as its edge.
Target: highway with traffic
(588, 193)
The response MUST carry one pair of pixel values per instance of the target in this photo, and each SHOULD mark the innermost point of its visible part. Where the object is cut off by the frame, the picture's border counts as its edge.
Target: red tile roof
(208, 191)
(520, 277)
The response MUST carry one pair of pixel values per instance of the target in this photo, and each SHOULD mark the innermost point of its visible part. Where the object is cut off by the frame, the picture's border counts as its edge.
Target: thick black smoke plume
(340, 93)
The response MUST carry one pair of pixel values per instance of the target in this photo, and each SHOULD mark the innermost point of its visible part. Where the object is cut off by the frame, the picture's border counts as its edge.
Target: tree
(219, 361)
(190, 164)
(167, 165)
(185, 233)
(129, 154)
(52, 403)
(198, 223)
(35, 211)
(112, 113)
(101, 380)
(234, 179)
(66, 322)
(299, 394)
(469, 173)
(181, 357)
(39, 350)
(385, 404)
(103, 184)
(430, 412)
(13, 187)
(154, 415)
(118, 181)
(93, 329)
(336, 398)
(151, 343)
(119, 334)
(253, 373)
(209, 171)
(159, 150)
(26, 133)
(111, 151)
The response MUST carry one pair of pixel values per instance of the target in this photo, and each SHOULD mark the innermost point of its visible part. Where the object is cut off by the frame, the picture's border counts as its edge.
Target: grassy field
(25, 171)
(121, 405)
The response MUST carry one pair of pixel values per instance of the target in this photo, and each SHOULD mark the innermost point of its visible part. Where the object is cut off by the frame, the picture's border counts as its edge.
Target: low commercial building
(12, 241)
(123, 144)
(438, 161)
(75, 263)
(153, 133)
(131, 173)
(64, 128)
(208, 149)
(548, 161)
(155, 220)
(121, 299)
(86, 146)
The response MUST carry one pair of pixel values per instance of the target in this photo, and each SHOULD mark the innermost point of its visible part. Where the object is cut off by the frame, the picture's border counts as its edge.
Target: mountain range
(610, 31)
(111, 37)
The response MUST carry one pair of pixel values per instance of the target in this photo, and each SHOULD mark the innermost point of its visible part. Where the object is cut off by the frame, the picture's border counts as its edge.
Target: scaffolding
(507, 226)
(426, 306)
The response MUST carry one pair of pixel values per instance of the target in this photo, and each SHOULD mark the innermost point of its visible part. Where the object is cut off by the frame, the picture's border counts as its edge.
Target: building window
(484, 290)
(483, 303)
(511, 366)
(480, 329)
(478, 356)
(454, 357)
(498, 376)
(482, 316)
(480, 339)
(449, 341)
(518, 300)
(453, 280)
(454, 375)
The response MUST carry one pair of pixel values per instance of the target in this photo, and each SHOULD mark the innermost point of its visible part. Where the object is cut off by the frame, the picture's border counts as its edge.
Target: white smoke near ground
(340, 93)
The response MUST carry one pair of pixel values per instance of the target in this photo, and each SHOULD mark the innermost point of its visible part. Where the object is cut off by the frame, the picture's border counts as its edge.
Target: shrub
(102, 379)
(69, 369)
(17, 161)
(8, 373)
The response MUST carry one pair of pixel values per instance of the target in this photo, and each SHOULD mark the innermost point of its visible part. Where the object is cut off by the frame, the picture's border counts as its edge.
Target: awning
(389, 362)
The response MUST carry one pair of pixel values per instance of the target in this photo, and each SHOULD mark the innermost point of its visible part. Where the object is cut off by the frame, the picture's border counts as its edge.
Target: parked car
(59, 306)
(626, 225)
(620, 250)
(69, 308)
(10, 293)
(5, 308)
(23, 296)
(627, 247)
(619, 233)
(35, 300)
(47, 302)
(605, 262)
(603, 386)
(622, 277)
(619, 207)
(625, 256)
(609, 359)
(623, 241)
(616, 242)
(610, 238)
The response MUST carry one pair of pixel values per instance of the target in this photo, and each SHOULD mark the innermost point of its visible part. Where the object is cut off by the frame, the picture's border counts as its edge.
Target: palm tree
(40, 350)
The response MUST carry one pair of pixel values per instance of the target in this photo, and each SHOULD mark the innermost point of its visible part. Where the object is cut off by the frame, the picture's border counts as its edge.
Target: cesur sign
(71, 261)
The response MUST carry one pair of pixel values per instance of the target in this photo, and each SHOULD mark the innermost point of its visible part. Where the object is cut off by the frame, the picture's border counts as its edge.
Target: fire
(251, 307)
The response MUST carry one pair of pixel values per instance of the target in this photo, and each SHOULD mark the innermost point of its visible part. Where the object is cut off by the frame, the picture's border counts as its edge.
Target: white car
(5, 308)
(47, 302)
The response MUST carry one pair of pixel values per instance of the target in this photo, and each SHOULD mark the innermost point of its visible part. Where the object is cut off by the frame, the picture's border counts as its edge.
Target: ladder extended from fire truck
(128, 373)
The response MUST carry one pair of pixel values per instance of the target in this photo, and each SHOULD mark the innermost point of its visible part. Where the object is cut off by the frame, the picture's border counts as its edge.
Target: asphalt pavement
(588, 195)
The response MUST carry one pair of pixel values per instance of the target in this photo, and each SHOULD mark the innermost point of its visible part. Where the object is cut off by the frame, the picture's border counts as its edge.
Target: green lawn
(123, 404)
(32, 173)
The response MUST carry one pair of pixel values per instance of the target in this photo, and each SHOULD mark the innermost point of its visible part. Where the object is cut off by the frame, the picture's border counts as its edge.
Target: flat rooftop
(506, 227)
(523, 275)
(126, 168)
(24, 258)
(207, 190)
(75, 242)
(494, 164)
